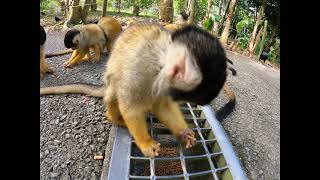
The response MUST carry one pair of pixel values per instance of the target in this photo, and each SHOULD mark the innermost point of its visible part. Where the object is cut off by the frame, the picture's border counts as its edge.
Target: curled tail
(90, 90)
(230, 93)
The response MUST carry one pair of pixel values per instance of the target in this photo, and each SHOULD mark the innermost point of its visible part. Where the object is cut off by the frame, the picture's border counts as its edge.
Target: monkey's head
(184, 15)
(197, 68)
(72, 38)
(43, 36)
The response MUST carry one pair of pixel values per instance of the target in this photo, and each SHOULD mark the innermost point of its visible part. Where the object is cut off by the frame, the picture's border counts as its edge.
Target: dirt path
(254, 125)
(73, 129)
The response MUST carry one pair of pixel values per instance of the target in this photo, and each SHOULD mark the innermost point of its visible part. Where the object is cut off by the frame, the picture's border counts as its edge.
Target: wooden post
(104, 8)
(263, 39)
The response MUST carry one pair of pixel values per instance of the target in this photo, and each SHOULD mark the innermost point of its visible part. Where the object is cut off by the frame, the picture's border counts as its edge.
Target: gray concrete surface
(254, 124)
(74, 129)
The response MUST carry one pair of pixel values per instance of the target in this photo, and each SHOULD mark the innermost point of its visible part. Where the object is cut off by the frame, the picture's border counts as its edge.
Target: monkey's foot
(187, 136)
(49, 71)
(152, 149)
(95, 60)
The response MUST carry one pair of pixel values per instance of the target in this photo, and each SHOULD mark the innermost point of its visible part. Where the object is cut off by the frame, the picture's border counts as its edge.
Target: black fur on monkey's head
(184, 15)
(43, 36)
(211, 59)
(68, 38)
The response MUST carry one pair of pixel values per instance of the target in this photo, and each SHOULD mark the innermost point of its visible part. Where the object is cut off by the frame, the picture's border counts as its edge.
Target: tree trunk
(271, 38)
(225, 33)
(104, 8)
(74, 13)
(258, 21)
(220, 27)
(136, 10)
(208, 10)
(66, 11)
(216, 23)
(191, 10)
(263, 38)
(94, 6)
(166, 10)
(85, 10)
(257, 38)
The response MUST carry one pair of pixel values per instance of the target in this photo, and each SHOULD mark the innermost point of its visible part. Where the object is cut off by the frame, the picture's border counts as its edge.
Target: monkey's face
(209, 57)
(71, 39)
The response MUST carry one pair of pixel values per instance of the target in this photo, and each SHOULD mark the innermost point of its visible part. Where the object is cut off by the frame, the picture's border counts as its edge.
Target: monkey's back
(134, 61)
(110, 26)
(94, 32)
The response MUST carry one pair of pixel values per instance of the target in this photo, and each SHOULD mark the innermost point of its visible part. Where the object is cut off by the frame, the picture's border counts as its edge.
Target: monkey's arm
(67, 51)
(76, 57)
(135, 121)
(169, 113)
(96, 50)
(44, 68)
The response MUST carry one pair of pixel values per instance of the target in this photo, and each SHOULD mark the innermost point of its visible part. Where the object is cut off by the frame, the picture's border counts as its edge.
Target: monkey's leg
(113, 113)
(77, 57)
(169, 113)
(96, 50)
(108, 46)
(135, 121)
(44, 68)
(88, 56)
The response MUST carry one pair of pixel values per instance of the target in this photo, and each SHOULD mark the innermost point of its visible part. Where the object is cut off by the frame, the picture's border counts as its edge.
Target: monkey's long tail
(67, 51)
(90, 90)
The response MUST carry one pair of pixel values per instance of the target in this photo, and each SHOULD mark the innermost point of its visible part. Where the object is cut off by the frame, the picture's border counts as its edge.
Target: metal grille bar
(211, 158)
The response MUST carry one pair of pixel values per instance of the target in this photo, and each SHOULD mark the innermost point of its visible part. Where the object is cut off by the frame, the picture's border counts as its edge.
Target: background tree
(166, 10)
(225, 33)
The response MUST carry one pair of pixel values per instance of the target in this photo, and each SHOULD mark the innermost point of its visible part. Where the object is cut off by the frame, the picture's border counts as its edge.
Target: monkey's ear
(184, 72)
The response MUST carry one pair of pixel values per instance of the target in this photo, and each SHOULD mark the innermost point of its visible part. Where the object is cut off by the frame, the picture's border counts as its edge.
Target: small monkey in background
(151, 70)
(44, 68)
(91, 36)
(182, 21)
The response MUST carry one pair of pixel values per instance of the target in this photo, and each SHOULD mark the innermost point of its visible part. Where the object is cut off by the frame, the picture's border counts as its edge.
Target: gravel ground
(73, 129)
(254, 125)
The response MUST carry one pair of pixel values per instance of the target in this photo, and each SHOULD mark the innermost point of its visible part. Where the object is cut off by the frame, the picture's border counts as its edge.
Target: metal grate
(211, 158)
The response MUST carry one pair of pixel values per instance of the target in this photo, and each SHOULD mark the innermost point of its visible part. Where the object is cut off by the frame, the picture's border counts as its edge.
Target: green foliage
(178, 6)
(208, 24)
(247, 22)
(200, 10)
(274, 54)
(243, 42)
(214, 14)
(50, 6)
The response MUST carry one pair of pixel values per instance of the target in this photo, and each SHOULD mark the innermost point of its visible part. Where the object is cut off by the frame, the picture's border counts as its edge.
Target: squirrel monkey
(151, 70)
(44, 68)
(182, 20)
(91, 36)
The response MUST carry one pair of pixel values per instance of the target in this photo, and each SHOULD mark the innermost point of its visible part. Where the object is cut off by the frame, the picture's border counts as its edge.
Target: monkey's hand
(187, 136)
(152, 149)
(67, 64)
